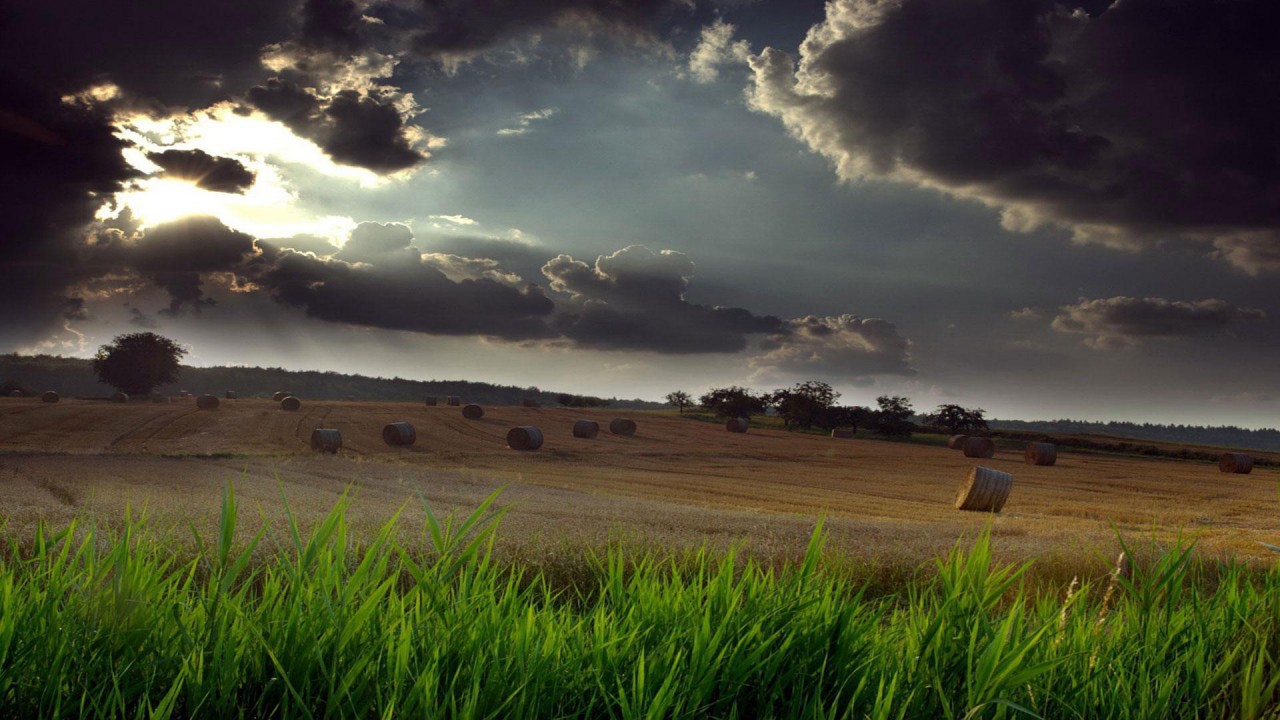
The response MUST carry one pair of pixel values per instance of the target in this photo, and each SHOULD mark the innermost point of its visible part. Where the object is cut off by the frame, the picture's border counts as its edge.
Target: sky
(1045, 209)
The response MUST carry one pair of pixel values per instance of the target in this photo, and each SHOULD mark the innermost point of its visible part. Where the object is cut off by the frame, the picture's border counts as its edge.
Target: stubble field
(676, 483)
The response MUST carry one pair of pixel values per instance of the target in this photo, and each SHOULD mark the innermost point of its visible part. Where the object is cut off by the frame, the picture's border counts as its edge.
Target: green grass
(107, 621)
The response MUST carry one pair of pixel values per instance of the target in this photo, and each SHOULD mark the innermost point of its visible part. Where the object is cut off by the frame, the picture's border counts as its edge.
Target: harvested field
(676, 481)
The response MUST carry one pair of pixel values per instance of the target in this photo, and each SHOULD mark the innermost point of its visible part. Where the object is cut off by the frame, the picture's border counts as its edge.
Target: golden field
(676, 482)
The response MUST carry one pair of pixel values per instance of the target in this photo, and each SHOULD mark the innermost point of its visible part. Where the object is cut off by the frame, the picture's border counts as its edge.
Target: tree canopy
(894, 417)
(958, 419)
(732, 402)
(137, 363)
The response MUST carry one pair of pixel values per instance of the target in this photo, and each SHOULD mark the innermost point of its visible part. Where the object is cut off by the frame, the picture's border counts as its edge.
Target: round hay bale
(15, 393)
(1041, 453)
(207, 402)
(984, 490)
(1237, 463)
(453, 400)
(844, 433)
(431, 401)
(623, 427)
(977, 447)
(737, 425)
(231, 395)
(291, 404)
(277, 397)
(525, 437)
(399, 434)
(326, 440)
(50, 396)
(473, 412)
(586, 429)
(119, 398)
(956, 442)
(530, 403)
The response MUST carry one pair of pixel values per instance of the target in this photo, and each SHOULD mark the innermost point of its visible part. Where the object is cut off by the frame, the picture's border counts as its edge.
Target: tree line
(814, 404)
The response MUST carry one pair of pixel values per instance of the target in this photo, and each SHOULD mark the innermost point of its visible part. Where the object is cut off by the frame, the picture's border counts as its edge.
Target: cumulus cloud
(175, 255)
(367, 127)
(218, 174)
(843, 348)
(634, 300)
(716, 47)
(1119, 322)
(1129, 123)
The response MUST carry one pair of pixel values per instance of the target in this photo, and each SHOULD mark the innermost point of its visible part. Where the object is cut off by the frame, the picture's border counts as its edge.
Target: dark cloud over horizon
(1118, 322)
(1131, 125)
(634, 300)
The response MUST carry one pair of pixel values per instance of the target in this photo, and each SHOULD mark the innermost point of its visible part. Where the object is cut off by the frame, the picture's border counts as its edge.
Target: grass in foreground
(108, 623)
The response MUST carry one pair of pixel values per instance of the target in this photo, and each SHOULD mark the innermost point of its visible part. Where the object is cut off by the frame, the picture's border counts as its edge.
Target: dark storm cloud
(175, 255)
(219, 174)
(1141, 122)
(178, 54)
(363, 128)
(844, 348)
(59, 162)
(1124, 321)
(402, 293)
(634, 300)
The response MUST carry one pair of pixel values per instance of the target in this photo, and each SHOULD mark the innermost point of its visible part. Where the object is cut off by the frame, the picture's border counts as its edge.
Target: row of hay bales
(1044, 454)
(454, 400)
(522, 437)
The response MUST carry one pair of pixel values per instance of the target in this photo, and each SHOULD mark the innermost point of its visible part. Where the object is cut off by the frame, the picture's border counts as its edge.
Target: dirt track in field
(675, 481)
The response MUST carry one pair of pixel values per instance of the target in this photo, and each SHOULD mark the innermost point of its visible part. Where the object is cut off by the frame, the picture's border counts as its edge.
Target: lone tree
(680, 399)
(138, 363)
(732, 402)
(894, 416)
(958, 419)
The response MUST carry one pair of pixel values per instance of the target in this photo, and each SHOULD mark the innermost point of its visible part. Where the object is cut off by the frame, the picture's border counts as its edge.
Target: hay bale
(291, 404)
(49, 396)
(431, 401)
(956, 442)
(15, 393)
(978, 447)
(1237, 463)
(399, 434)
(844, 433)
(473, 412)
(525, 437)
(529, 403)
(1041, 453)
(277, 397)
(326, 440)
(737, 425)
(586, 429)
(622, 426)
(207, 402)
(119, 398)
(453, 400)
(984, 490)
(230, 395)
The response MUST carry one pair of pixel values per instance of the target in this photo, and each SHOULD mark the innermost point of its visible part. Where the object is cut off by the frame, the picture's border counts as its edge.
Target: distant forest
(74, 377)
(1225, 436)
